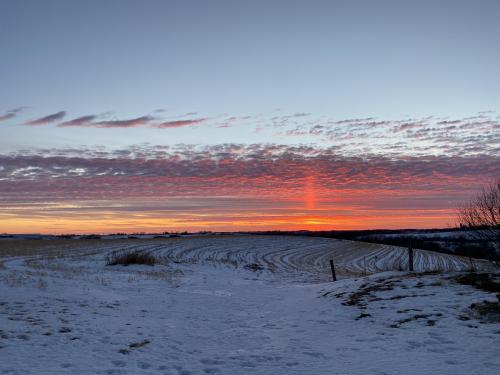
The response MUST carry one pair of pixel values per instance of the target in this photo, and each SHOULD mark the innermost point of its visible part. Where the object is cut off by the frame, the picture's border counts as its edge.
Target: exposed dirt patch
(487, 311)
(134, 345)
(430, 322)
(483, 281)
(365, 293)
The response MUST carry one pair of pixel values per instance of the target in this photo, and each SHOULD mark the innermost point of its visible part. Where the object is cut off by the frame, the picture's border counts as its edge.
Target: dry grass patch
(130, 257)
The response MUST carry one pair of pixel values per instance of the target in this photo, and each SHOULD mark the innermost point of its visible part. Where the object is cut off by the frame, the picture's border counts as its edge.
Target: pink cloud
(180, 123)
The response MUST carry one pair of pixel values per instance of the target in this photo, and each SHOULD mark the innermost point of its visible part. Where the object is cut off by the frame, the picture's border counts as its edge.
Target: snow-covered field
(239, 305)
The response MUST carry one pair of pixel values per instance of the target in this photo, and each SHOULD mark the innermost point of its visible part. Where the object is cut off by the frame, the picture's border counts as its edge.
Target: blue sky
(335, 58)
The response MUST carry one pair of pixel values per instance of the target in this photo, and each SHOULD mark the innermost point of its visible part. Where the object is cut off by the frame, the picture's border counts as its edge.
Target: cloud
(428, 135)
(92, 121)
(129, 123)
(80, 121)
(47, 119)
(232, 120)
(10, 114)
(89, 121)
(233, 184)
(359, 172)
(232, 163)
(354, 120)
(449, 122)
(180, 123)
(471, 135)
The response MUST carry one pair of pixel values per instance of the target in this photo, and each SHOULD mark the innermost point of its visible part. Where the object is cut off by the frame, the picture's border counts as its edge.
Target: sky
(148, 116)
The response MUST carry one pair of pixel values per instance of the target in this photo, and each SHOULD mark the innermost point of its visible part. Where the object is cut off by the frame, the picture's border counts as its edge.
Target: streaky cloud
(90, 122)
(129, 123)
(79, 121)
(47, 119)
(10, 114)
(180, 123)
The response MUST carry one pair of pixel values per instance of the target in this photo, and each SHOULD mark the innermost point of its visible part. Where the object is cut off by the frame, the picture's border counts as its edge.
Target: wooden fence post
(472, 267)
(333, 270)
(410, 256)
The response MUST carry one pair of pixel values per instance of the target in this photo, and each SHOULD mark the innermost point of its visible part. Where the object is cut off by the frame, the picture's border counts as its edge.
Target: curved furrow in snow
(300, 255)
(303, 257)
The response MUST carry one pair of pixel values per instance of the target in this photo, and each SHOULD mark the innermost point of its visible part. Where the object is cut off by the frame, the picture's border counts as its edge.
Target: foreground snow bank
(75, 315)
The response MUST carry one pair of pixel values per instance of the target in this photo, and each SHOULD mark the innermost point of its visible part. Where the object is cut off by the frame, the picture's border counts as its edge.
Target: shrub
(130, 257)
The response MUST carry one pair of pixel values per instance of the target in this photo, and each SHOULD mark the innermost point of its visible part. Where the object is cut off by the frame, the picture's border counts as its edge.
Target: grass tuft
(254, 267)
(131, 257)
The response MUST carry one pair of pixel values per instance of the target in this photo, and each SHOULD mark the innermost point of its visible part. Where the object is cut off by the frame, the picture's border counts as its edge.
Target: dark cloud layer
(268, 186)
(227, 169)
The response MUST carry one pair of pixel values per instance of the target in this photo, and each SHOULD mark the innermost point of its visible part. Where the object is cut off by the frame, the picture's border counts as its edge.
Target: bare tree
(482, 217)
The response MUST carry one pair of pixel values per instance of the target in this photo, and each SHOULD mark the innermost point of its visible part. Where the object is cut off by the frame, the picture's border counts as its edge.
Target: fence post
(333, 270)
(472, 268)
(410, 256)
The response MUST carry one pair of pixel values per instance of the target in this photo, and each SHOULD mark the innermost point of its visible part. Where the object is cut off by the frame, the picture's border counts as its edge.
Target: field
(240, 305)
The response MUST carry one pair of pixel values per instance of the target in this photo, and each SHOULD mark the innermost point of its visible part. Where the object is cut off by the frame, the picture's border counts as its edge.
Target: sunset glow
(118, 203)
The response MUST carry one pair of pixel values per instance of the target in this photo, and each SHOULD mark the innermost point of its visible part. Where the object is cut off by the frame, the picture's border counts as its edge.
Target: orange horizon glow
(311, 223)
(292, 192)
(338, 210)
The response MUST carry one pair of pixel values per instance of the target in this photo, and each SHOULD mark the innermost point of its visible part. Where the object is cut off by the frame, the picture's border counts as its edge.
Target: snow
(63, 311)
